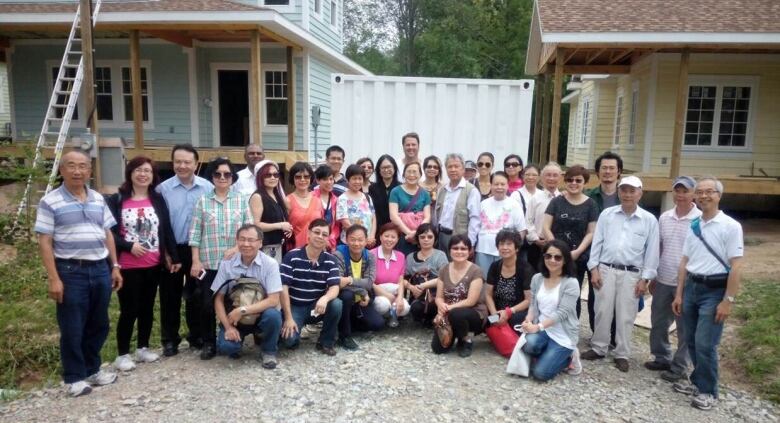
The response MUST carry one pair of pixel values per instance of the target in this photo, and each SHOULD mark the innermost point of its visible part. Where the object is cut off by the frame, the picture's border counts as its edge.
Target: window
(618, 118)
(103, 98)
(66, 86)
(127, 94)
(318, 7)
(632, 124)
(333, 13)
(275, 97)
(584, 121)
(718, 114)
(276, 2)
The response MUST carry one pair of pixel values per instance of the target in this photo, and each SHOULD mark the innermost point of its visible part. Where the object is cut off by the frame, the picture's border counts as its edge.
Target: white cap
(631, 181)
(262, 163)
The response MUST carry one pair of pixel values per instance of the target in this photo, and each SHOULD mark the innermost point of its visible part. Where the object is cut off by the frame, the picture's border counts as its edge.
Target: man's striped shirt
(307, 281)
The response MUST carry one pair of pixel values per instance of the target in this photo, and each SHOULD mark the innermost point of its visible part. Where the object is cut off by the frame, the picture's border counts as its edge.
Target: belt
(720, 277)
(82, 262)
(622, 267)
(445, 231)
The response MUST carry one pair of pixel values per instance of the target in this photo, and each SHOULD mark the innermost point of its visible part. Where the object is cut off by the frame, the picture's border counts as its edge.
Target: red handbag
(503, 338)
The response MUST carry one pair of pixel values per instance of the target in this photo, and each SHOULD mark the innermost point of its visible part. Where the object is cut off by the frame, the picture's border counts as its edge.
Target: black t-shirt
(570, 222)
(508, 292)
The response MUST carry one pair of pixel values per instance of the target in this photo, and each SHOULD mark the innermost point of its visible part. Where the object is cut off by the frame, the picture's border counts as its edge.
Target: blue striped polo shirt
(78, 229)
(307, 281)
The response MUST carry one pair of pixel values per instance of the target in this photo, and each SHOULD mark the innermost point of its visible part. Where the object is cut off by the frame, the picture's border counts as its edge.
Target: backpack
(244, 292)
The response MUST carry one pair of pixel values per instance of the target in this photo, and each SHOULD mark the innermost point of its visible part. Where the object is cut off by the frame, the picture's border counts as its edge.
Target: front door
(233, 86)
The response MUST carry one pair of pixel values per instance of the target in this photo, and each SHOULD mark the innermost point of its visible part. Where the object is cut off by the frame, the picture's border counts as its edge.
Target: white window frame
(633, 114)
(280, 129)
(585, 116)
(618, 123)
(334, 15)
(281, 8)
(719, 81)
(116, 94)
(317, 13)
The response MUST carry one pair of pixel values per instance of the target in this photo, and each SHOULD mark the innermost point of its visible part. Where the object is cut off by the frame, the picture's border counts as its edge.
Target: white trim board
(192, 75)
(214, 69)
(662, 37)
(652, 86)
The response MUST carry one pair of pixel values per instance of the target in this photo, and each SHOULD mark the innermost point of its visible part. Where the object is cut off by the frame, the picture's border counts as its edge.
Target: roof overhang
(269, 20)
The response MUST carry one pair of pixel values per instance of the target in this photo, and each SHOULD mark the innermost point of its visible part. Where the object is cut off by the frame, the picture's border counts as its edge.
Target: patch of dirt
(7, 253)
(8, 196)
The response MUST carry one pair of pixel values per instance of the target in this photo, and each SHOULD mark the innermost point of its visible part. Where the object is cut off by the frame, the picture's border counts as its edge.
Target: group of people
(362, 250)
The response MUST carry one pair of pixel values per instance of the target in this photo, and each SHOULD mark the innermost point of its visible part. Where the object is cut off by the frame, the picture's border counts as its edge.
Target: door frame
(215, 129)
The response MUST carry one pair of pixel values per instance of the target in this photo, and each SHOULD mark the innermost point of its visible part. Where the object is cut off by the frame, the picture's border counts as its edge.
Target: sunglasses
(459, 249)
(425, 237)
(432, 167)
(512, 164)
(553, 257)
(223, 175)
(301, 177)
(575, 180)
(485, 164)
(272, 175)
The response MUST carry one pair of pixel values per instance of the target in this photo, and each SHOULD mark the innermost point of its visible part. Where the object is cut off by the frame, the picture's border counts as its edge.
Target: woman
(410, 206)
(508, 291)
(572, 218)
(358, 272)
(459, 299)
(368, 171)
(552, 326)
(432, 183)
(513, 166)
(422, 269)
(530, 187)
(328, 203)
(386, 180)
(354, 207)
(143, 238)
(389, 284)
(484, 167)
(215, 220)
(304, 207)
(496, 213)
(269, 209)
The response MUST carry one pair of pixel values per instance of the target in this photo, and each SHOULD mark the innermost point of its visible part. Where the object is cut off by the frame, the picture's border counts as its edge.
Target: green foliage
(759, 346)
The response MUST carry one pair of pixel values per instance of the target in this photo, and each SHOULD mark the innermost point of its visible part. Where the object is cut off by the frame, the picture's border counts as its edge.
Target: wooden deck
(731, 184)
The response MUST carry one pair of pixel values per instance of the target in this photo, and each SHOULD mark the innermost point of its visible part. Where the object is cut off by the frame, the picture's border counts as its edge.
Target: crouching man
(249, 308)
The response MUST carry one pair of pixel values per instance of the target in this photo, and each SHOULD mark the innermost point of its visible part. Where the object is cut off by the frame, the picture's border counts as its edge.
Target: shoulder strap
(696, 227)
(413, 201)
(522, 201)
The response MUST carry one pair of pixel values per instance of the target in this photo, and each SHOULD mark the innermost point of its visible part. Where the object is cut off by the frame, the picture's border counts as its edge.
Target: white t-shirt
(494, 216)
(548, 305)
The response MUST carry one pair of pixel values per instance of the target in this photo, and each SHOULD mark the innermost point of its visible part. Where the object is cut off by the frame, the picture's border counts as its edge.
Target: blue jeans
(82, 317)
(330, 322)
(484, 261)
(702, 333)
(269, 324)
(551, 357)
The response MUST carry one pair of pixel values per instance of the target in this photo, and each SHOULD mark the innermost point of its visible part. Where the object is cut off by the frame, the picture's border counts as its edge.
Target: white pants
(382, 305)
(615, 297)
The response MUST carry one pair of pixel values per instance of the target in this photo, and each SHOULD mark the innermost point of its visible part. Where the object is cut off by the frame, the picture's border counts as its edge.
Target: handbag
(411, 219)
(519, 362)
(503, 338)
(444, 332)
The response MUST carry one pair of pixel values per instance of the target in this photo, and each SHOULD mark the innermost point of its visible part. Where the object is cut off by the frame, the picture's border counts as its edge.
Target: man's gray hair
(248, 226)
(454, 156)
(718, 184)
(79, 152)
(552, 164)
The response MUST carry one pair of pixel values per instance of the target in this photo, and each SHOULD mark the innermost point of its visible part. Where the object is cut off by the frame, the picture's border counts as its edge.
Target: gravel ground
(393, 377)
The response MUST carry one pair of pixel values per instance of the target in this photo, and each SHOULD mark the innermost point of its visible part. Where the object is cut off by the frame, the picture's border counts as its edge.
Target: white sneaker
(704, 401)
(145, 355)
(79, 388)
(124, 363)
(575, 367)
(101, 378)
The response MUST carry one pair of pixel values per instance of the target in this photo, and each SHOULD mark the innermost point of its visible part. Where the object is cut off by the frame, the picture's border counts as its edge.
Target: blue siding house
(196, 70)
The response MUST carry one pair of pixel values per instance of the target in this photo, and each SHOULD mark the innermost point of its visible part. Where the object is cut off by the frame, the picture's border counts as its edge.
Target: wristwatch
(731, 299)
(242, 310)
(117, 266)
(541, 327)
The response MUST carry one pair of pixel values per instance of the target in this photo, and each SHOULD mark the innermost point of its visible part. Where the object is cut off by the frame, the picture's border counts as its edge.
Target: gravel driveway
(393, 377)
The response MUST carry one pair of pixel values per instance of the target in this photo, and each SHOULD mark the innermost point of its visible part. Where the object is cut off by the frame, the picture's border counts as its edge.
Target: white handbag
(520, 362)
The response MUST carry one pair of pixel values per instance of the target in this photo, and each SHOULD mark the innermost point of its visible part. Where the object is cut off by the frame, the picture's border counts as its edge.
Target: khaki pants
(615, 297)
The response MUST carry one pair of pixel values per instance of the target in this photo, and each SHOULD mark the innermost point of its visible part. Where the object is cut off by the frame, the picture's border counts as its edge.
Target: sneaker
(326, 350)
(656, 366)
(348, 343)
(622, 364)
(703, 401)
(269, 361)
(685, 387)
(102, 378)
(575, 367)
(124, 363)
(208, 352)
(591, 355)
(170, 349)
(145, 355)
(465, 348)
(79, 388)
(672, 376)
(310, 331)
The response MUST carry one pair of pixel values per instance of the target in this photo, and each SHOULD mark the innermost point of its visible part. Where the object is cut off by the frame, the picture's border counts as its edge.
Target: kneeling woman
(508, 290)
(459, 298)
(552, 327)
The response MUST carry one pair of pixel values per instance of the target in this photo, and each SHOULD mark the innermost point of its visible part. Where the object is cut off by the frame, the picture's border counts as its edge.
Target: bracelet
(541, 327)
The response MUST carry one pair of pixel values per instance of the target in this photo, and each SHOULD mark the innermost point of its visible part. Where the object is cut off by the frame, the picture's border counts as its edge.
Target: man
(253, 154)
(181, 192)
(707, 285)
(77, 248)
(310, 287)
(334, 156)
(537, 205)
(411, 145)
(673, 226)
(623, 257)
(457, 205)
(471, 171)
(250, 263)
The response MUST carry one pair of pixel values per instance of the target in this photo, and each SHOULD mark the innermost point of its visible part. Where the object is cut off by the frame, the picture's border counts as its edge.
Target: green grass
(29, 345)
(758, 349)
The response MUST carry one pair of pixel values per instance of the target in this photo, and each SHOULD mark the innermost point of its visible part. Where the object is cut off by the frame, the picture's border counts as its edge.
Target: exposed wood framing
(598, 69)
(255, 87)
(538, 104)
(88, 85)
(556, 105)
(594, 56)
(175, 37)
(545, 147)
(619, 56)
(290, 100)
(570, 55)
(135, 82)
(679, 115)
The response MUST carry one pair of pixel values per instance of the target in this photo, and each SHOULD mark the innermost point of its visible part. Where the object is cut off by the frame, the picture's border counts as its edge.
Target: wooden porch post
(545, 147)
(539, 88)
(679, 116)
(88, 84)
(255, 87)
(290, 101)
(135, 82)
(556, 104)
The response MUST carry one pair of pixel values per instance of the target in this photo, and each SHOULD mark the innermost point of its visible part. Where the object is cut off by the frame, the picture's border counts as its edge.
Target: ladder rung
(63, 92)
(70, 65)
(55, 119)
(60, 106)
(51, 133)
(67, 79)
(75, 52)
(76, 39)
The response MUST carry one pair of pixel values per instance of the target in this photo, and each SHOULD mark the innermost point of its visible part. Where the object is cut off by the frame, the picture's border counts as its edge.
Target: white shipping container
(467, 116)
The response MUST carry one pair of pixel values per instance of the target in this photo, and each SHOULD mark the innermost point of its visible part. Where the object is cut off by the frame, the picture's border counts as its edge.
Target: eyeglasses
(575, 180)
(249, 240)
(425, 236)
(485, 164)
(142, 170)
(512, 164)
(323, 234)
(272, 175)
(456, 248)
(708, 193)
(223, 175)
(302, 177)
(432, 167)
(553, 257)
(255, 153)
